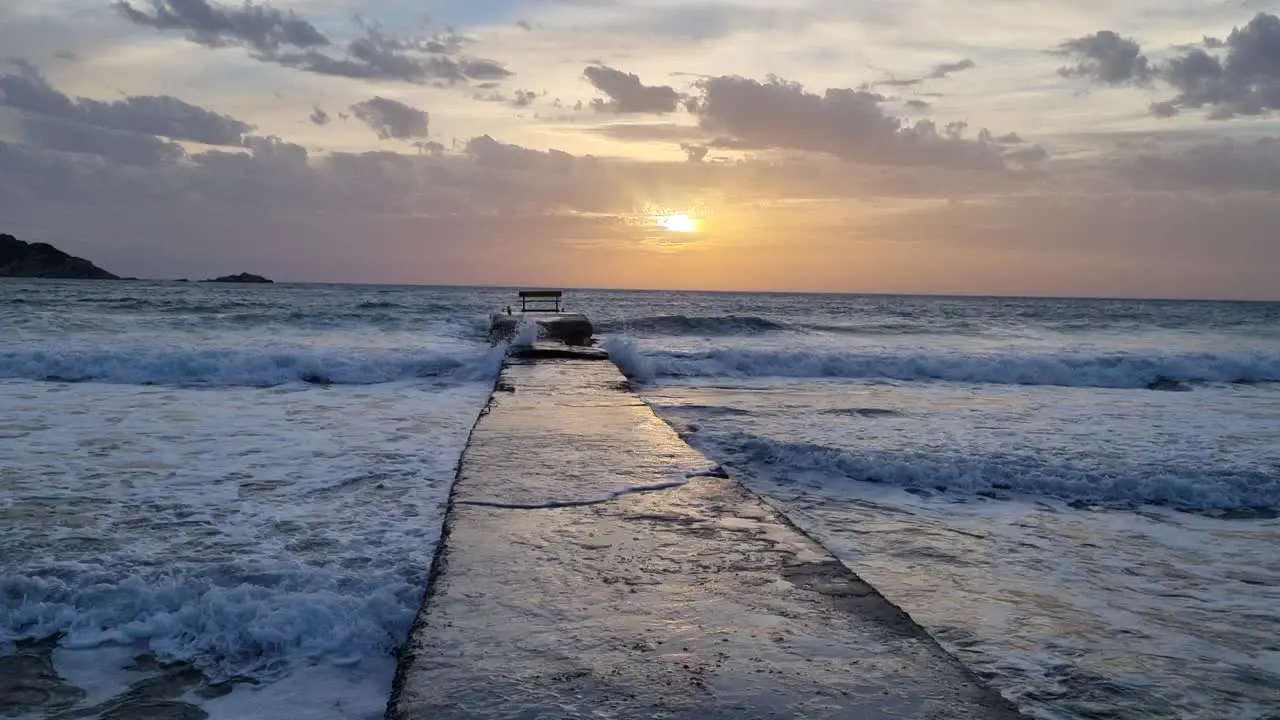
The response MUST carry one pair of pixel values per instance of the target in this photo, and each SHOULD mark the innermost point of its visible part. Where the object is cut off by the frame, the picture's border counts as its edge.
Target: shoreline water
(194, 404)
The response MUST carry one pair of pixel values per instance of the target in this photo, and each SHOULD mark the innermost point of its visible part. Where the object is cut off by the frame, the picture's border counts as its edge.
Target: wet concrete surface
(594, 565)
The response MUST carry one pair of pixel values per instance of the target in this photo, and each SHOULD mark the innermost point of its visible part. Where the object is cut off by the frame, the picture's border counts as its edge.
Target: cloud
(1107, 58)
(1246, 82)
(450, 218)
(287, 39)
(1005, 139)
(319, 116)
(945, 69)
(917, 104)
(627, 94)
(429, 147)
(488, 152)
(379, 55)
(939, 71)
(519, 99)
(695, 153)
(260, 27)
(392, 118)
(164, 115)
(274, 150)
(127, 148)
(849, 124)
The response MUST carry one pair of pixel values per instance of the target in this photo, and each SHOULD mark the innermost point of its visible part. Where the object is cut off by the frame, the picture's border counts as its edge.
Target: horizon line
(843, 293)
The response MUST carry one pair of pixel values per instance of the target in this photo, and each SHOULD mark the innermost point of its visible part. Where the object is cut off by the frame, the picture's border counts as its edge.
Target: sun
(677, 223)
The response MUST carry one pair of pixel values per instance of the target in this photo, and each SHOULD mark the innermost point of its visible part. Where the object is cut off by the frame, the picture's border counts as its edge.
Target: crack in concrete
(716, 472)
(576, 503)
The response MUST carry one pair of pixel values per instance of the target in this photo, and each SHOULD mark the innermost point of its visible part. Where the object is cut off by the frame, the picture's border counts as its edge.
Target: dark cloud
(392, 118)
(916, 104)
(260, 27)
(945, 69)
(429, 147)
(155, 115)
(67, 55)
(126, 148)
(940, 71)
(627, 94)
(1006, 139)
(488, 152)
(520, 99)
(849, 124)
(380, 56)
(695, 153)
(1245, 82)
(273, 149)
(480, 69)
(318, 116)
(1107, 58)
(286, 39)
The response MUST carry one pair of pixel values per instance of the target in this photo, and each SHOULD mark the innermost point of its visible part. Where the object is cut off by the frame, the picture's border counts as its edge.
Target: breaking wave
(1108, 370)
(258, 626)
(936, 471)
(245, 367)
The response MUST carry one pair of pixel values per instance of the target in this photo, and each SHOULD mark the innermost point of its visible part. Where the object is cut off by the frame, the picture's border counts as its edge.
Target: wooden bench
(540, 301)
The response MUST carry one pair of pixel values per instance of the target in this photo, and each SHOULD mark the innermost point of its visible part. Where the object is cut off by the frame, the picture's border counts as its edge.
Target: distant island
(239, 278)
(21, 259)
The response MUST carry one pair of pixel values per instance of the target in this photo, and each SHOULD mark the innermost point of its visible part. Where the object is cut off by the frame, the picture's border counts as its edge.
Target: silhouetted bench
(540, 301)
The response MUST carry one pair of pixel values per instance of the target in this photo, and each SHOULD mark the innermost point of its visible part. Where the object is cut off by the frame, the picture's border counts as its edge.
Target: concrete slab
(569, 586)
(567, 328)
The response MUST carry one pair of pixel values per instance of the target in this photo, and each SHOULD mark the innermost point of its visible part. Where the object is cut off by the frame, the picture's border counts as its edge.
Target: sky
(1012, 147)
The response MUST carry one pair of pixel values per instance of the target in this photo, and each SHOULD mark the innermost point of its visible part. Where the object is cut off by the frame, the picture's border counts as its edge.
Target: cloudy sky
(1048, 147)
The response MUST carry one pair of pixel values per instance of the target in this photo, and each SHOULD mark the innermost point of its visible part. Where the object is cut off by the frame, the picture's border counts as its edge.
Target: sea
(222, 500)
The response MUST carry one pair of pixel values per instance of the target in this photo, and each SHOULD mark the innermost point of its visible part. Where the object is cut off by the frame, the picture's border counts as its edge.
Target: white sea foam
(527, 334)
(258, 367)
(1131, 614)
(1020, 472)
(249, 532)
(1110, 369)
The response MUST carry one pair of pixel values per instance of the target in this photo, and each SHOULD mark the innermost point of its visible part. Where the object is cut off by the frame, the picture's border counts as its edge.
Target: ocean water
(1077, 497)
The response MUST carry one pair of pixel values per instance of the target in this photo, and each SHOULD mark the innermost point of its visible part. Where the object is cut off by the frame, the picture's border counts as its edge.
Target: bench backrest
(538, 300)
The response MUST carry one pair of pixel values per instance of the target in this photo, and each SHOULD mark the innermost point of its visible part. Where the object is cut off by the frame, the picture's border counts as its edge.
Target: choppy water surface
(1078, 498)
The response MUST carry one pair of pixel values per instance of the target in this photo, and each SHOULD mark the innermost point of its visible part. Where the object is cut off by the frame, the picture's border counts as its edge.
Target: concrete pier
(596, 566)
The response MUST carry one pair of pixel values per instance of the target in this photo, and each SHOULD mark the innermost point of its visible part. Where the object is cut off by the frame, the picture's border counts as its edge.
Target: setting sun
(678, 223)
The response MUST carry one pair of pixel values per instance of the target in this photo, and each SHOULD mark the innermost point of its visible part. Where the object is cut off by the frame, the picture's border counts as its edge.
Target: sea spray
(629, 358)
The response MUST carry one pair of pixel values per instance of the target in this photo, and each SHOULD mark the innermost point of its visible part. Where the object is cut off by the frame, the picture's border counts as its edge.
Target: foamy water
(260, 500)
(1092, 547)
(250, 480)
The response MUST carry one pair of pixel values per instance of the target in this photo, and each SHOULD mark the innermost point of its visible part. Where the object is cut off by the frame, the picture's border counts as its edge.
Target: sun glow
(677, 223)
